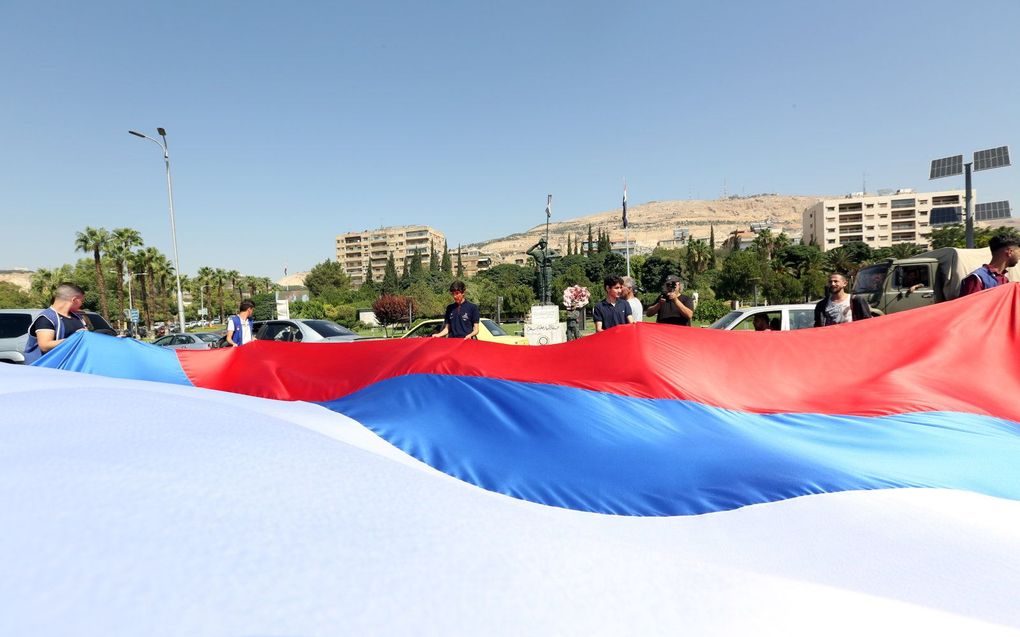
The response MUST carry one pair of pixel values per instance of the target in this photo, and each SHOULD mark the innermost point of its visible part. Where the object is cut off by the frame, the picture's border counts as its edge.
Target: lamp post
(173, 225)
(954, 165)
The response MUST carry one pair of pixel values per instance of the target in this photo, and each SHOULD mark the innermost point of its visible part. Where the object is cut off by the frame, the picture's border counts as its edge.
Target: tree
(122, 242)
(517, 300)
(447, 266)
(591, 243)
(328, 275)
(219, 282)
(11, 296)
(95, 240)
(390, 284)
(741, 272)
(711, 246)
(391, 309)
(433, 258)
(415, 268)
(654, 271)
(951, 236)
(460, 265)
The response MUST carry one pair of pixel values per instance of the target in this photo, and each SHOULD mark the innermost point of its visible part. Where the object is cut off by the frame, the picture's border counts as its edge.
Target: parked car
(303, 331)
(781, 317)
(14, 326)
(488, 330)
(201, 340)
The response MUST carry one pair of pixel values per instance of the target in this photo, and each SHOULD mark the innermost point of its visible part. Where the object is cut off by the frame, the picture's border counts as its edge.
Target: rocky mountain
(655, 221)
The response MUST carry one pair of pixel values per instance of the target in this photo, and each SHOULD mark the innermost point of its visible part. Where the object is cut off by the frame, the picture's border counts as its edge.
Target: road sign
(134, 315)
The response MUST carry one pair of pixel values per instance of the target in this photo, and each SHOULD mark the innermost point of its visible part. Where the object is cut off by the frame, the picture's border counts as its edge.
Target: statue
(543, 257)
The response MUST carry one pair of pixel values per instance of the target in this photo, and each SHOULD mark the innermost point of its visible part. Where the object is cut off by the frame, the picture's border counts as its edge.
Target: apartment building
(472, 260)
(903, 216)
(369, 249)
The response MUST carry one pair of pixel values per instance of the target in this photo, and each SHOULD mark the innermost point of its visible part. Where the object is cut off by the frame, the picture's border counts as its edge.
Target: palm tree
(139, 264)
(205, 276)
(122, 242)
(250, 284)
(267, 283)
(42, 283)
(905, 250)
(220, 279)
(161, 270)
(95, 240)
(233, 276)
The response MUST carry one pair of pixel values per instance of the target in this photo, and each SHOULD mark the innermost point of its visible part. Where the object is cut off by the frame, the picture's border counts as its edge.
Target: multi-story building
(358, 252)
(880, 221)
(472, 260)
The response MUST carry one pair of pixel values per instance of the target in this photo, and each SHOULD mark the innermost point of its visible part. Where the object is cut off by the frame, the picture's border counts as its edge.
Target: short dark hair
(611, 280)
(246, 304)
(67, 291)
(458, 286)
(1003, 240)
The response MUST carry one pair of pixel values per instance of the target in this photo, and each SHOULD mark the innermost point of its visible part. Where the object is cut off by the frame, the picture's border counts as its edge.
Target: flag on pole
(548, 207)
(625, 203)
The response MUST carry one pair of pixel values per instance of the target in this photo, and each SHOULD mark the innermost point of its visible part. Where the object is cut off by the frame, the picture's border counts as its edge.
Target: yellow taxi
(488, 330)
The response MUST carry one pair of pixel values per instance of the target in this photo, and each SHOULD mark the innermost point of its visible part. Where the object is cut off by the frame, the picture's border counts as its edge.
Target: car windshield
(722, 323)
(329, 328)
(869, 280)
(208, 337)
(97, 321)
(424, 330)
(494, 328)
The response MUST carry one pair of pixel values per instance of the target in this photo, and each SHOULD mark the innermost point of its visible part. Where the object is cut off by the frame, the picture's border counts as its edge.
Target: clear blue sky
(290, 123)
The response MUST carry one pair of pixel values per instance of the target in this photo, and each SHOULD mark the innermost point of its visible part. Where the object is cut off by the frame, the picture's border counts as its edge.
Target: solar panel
(991, 158)
(945, 215)
(946, 167)
(991, 210)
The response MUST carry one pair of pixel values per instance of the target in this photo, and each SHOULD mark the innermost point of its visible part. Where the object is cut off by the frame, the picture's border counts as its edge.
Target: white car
(200, 340)
(780, 317)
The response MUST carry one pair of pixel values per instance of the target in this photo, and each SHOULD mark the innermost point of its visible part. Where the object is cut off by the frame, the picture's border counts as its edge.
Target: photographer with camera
(672, 307)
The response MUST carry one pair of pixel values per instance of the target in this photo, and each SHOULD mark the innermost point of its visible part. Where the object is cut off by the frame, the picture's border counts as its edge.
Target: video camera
(668, 287)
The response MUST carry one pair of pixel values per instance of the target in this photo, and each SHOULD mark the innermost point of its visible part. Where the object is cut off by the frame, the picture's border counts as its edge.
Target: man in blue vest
(239, 326)
(1005, 249)
(57, 322)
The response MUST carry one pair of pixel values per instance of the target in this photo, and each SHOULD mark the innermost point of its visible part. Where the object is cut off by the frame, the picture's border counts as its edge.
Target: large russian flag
(331, 507)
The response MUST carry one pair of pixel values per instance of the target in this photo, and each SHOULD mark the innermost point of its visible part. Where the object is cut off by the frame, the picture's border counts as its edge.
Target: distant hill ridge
(655, 221)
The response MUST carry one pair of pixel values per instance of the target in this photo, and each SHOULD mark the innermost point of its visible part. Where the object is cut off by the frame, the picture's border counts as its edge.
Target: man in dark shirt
(673, 307)
(461, 315)
(1005, 249)
(56, 323)
(612, 310)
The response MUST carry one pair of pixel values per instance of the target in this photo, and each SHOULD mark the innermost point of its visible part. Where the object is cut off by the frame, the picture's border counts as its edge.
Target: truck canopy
(955, 264)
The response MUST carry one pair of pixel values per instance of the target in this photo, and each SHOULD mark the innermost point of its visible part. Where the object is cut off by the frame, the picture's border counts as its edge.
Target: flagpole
(548, 215)
(626, 228)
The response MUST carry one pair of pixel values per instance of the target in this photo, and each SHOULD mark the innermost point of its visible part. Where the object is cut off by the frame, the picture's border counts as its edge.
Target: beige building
(472, 260)
(878, 220)
(356, 251)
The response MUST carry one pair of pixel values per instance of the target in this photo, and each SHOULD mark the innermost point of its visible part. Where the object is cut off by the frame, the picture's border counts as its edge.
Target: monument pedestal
(544, 327)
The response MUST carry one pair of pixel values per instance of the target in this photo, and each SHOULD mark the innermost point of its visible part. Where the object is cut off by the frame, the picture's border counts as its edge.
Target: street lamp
(173, 225)
(983, 160)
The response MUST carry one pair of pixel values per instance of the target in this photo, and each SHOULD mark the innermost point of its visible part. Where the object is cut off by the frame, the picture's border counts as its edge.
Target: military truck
(894, 285)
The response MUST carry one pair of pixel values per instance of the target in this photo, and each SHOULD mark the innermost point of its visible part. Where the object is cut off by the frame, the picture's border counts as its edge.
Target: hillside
(655, 221)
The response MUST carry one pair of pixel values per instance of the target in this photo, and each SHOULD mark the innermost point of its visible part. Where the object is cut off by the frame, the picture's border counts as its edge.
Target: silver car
(780, 317)
(304, 331)
(14, 326)
(202, 340)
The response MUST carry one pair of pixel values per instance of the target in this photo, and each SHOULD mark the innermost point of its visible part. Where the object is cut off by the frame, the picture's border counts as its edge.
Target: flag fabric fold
(678, 427)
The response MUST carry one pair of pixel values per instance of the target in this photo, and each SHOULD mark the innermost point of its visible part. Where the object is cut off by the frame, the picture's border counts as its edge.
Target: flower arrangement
(576, 297)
